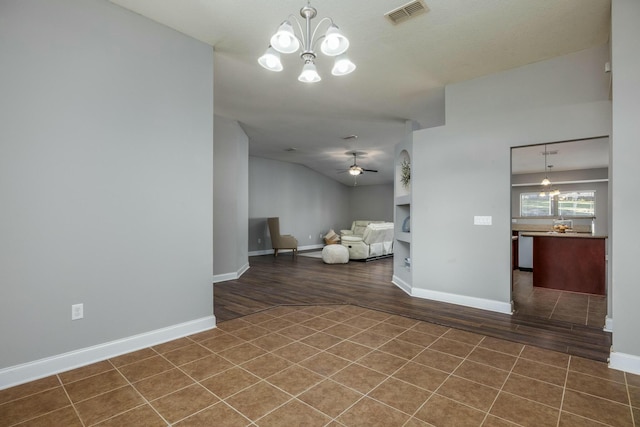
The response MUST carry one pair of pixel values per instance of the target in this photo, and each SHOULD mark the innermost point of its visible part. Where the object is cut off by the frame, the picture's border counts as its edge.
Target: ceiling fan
(355, 169)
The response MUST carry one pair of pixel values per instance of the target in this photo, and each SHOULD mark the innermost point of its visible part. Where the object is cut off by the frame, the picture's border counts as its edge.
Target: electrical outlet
(77, 311)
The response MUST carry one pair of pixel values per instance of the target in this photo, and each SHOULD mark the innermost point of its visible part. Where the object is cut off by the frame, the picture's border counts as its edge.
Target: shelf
(403, 237)
(403, 200)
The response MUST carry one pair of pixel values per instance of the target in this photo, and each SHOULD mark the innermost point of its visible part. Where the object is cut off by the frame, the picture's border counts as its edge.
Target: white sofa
(376, 241)
(357, 227)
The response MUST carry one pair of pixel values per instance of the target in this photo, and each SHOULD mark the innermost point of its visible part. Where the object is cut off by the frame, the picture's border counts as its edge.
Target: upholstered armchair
(280, 241)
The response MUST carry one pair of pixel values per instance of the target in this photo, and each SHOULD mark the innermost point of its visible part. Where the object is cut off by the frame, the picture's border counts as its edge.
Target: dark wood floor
(277, 281)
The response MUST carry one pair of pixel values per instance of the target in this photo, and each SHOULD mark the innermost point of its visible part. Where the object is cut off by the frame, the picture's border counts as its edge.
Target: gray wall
(463, 169)
(625, 67)
(308, 203)
(105, 176)
(230, 199)
(374, 202)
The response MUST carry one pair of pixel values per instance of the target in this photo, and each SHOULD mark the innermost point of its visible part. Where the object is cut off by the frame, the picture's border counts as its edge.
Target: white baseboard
(401, 284)
(625, 362)
(608, 324)
(19, 374)
(230, 276)
(300, 248)
(467, 301)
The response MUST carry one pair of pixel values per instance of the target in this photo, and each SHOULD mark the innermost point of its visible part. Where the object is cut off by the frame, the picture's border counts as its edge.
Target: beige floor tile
(108, 405)
(349, 350)
(370, 339)
(421, 376)
(219, 415)
(230, 382)
(221, 342)
(463, 336)
(321, 340)
(141, 416)
(325, 364)
(29, 389)
(136, 356)
(297, 332)
(296, 352)
(438, 360)
(401, 349)
(469, 393)
(33, 406)
(382, 362)
(492, 421)
(359, 378)
(97, 384)
(330, 398)
(400, 395)
(319, 323)
(524, 412)
(430, 328)
(443, 412)
(162, 384)
(417, 338)
(251, 333)
(362, 322)
(482, 374)
(386, 329)
(233, 325)
(454, 348)
(594, 368)
(66, 417)
(85, 371)
(547, 357)
(294, 413)
(257, 400)
(492, 358)
(502, 346)
(540, 371)
(535, 390)
(571, 420)
(172, 345)
(368, 412)
(145, 368)
(598, 387)
(595, 408)
(206, 367)
(184, 402)
(266, 365)
(342, 331)
(295, 379)
(272, 341)
(242, 353)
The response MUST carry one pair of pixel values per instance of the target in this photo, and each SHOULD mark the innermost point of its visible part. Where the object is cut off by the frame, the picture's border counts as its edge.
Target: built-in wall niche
(403, 174)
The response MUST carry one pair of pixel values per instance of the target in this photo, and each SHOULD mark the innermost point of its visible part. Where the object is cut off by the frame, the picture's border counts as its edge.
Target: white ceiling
(562, 156)
(401, 74)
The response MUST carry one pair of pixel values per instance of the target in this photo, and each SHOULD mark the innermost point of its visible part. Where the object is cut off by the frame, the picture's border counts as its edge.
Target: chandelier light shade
(285, 40)
(342, 66)
(355, 170)
(309, 73)
(271, 60)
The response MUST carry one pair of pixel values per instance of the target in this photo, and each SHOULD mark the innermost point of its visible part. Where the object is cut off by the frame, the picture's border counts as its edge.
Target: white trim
(19, 374)
(625, 362)
(582, 181)
(401, 284)
(300, 248)
(608, 324)
(231, 276)
(467, 301)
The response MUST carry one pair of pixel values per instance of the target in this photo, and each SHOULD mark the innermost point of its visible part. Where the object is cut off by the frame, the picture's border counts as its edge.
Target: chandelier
(547, 188)
(332, 43)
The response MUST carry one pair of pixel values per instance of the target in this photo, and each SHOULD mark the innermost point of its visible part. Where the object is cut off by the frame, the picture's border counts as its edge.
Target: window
(567, 203)
(577, 203)
(533, 204)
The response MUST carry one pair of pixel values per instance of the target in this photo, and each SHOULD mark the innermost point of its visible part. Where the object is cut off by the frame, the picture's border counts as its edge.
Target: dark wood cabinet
(569, 263)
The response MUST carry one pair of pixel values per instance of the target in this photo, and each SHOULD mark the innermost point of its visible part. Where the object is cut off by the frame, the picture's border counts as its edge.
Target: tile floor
(582, 309)
(331, 366)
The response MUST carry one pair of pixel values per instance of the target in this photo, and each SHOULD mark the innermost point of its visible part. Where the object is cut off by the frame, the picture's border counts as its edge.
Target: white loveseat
(357, 227)
(376, 241)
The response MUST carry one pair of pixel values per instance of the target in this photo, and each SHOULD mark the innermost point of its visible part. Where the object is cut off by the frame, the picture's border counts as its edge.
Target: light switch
(482, 220)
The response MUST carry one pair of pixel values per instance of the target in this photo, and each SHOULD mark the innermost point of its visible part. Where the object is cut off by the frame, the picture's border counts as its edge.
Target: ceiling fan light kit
(332, 43)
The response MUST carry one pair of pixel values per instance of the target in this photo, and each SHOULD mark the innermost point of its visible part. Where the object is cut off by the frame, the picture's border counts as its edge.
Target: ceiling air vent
(407, 11)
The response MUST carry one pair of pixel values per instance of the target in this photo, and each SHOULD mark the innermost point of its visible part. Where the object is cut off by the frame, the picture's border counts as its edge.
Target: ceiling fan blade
(369, 170)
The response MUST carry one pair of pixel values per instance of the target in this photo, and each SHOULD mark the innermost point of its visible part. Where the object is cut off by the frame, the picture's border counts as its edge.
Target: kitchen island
(569, 261)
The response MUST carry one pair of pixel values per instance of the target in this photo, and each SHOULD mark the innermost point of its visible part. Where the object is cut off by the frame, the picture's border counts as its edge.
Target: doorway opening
(560, 194)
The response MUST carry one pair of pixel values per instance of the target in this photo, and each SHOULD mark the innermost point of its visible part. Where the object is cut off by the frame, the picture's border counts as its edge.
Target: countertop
(568, 234)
